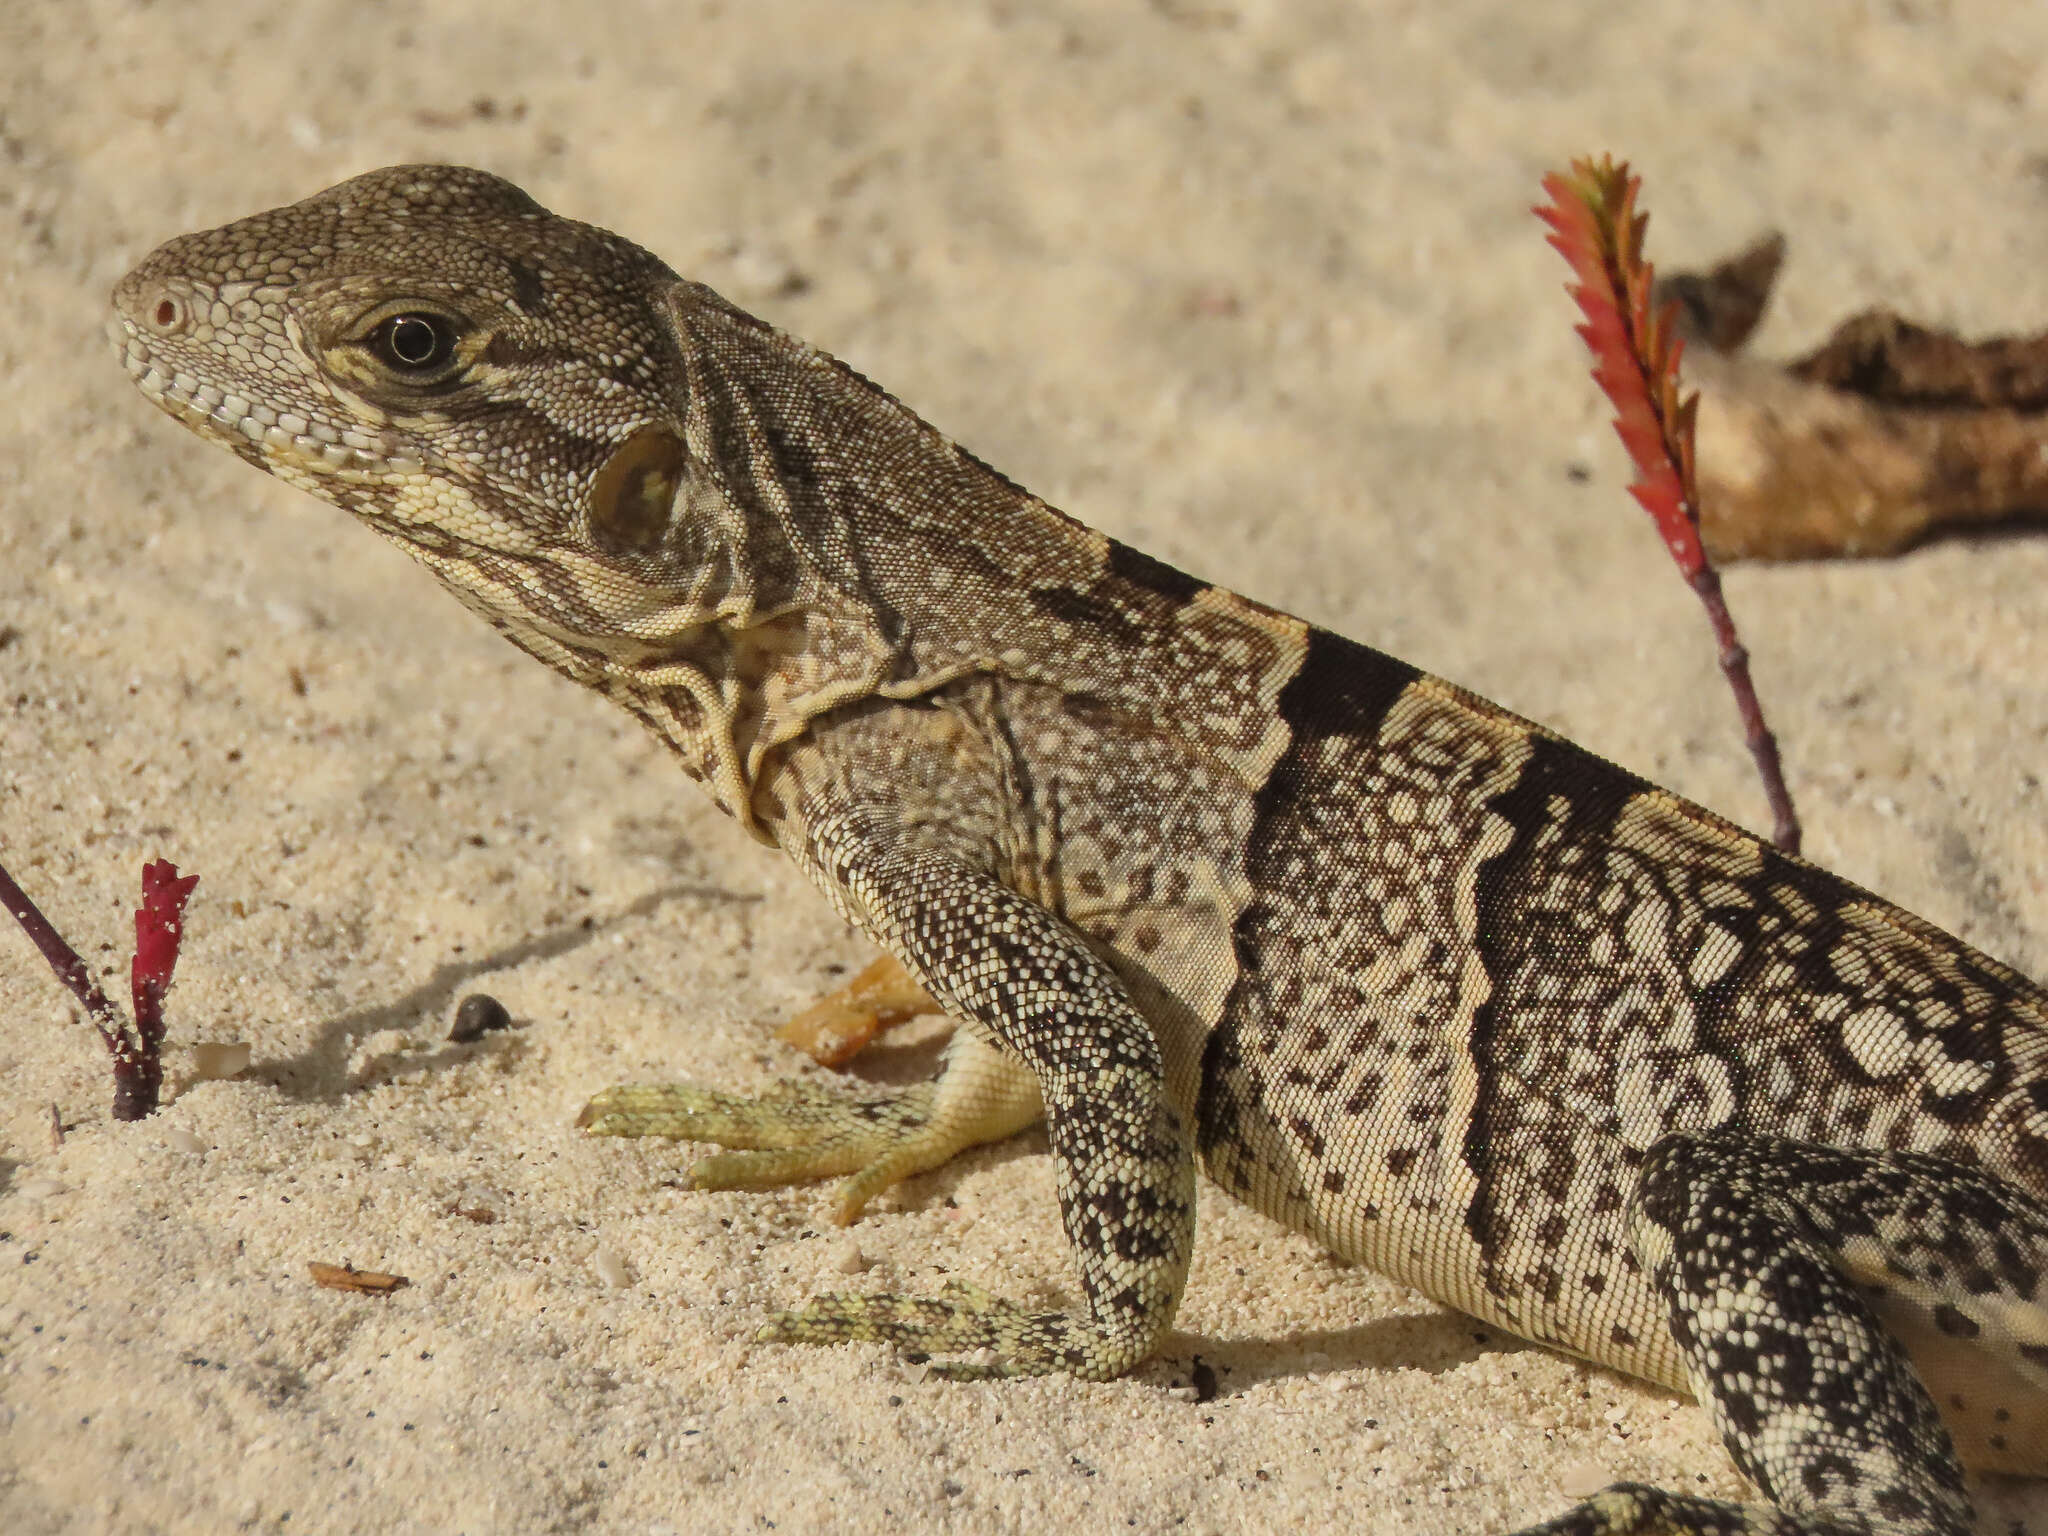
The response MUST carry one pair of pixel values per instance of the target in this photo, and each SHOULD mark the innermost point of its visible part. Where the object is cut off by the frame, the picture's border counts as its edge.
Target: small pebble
(39, 1189)
(476, 1016)
(611, 1267)
(849, 1260)
(178, 1139)
(213, 1060)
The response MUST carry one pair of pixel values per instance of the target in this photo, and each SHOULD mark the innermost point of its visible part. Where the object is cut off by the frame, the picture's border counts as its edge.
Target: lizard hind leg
(802, 1130)
(1814, 1293)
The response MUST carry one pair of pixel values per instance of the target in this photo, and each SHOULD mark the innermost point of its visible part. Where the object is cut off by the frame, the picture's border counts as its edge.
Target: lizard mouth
(281, 438)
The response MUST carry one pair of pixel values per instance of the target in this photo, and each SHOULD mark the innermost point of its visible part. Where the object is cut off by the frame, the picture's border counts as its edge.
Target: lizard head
(547, 417)
(494, 388)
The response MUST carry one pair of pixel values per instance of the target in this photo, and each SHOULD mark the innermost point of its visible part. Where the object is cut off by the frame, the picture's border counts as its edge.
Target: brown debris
(1886, 433)
(346, 1277)
(1720, 307)
(839, 1026)
(1885, 357)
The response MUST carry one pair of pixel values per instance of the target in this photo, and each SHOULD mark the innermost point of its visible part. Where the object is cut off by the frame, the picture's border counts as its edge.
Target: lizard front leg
(1815, 1294)
(1037, 1004)
(1021, 980)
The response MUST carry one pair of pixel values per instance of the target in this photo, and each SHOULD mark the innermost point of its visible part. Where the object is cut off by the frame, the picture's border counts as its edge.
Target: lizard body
(1200, 882)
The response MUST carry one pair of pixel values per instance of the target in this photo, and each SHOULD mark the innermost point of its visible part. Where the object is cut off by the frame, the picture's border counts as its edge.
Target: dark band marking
(1594, 793)
(1142, 570)
(1341, 689)
(527, 291)
(539, 361)
(1088, 610)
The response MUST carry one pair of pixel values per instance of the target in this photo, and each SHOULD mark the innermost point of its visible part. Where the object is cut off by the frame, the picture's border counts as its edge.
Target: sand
(1251, 285)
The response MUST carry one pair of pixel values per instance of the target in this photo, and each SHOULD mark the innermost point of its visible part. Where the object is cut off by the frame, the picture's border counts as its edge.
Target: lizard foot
(1048, 1029)
(840, 1025)
(801, 1131)
(1000, 1338)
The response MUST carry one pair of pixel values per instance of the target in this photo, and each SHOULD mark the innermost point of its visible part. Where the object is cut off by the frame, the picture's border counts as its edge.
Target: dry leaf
(1886, 433)
(839, 1026)
(346, 1277)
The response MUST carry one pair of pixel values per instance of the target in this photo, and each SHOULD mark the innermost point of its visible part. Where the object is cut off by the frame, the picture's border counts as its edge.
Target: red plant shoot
(159, 926)
(1595, 227)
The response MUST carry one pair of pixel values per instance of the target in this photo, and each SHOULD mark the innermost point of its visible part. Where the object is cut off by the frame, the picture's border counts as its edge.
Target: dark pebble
(476, 1016)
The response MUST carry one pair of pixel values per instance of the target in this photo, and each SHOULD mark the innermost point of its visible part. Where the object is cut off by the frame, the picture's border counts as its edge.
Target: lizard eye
(414, 343)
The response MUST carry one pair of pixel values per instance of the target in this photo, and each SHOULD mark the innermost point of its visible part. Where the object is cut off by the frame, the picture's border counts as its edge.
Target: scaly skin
(1198, 881)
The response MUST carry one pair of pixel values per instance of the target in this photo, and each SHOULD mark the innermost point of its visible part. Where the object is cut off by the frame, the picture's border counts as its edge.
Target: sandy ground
(1252, 285)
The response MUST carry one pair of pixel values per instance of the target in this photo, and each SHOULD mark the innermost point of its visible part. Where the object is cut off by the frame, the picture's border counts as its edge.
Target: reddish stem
(138, 1062)
(1635, 348)
(64, 960)
(1763, 746)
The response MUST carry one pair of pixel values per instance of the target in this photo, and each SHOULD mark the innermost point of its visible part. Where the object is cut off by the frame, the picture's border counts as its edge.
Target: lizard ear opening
(631, 498)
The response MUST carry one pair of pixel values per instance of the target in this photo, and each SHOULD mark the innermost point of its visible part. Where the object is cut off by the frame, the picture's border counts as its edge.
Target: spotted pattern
(1124, 1168)
(1198, 880)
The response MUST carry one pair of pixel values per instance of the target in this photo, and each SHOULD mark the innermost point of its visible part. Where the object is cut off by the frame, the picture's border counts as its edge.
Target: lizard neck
(825, 545)
(914, 564)
(720, 692)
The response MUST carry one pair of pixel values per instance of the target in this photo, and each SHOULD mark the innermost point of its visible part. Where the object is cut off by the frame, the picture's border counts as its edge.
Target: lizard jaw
(290, 445)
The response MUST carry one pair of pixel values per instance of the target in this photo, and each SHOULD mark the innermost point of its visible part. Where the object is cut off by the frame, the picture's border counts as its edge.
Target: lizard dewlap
(1200, 883)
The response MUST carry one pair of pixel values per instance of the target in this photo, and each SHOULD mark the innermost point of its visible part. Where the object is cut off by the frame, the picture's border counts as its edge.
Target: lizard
(1201, 884)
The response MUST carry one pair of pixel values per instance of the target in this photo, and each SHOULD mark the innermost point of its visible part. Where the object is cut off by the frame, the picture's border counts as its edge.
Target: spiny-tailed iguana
(1199, 882)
